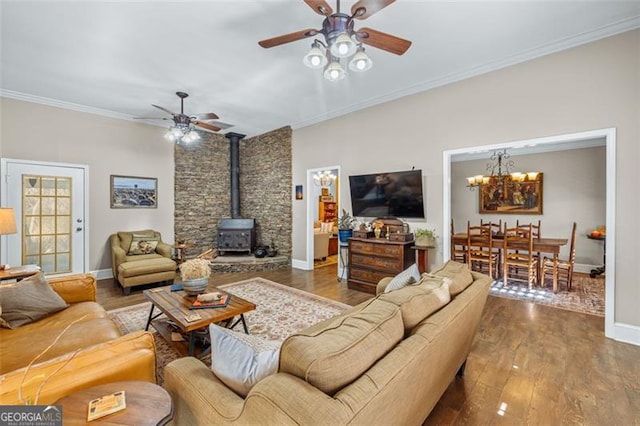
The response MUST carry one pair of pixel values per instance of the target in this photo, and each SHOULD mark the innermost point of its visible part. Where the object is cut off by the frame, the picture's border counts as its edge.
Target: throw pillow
(241, 360)
(29, 300)
(326, 227)
(408, 276)
(3, 322)
(143, 244)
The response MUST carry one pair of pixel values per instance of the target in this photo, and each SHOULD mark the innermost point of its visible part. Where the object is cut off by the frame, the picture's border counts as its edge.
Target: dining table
(549, 245)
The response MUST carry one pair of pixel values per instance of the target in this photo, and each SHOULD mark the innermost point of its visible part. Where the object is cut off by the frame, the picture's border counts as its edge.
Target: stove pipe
(234, 154)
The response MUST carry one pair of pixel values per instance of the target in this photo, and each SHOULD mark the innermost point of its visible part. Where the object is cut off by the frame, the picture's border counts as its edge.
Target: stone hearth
(248, 263)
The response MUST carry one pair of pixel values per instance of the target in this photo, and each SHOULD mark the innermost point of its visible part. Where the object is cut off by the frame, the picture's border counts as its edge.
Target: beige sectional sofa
(386, 361)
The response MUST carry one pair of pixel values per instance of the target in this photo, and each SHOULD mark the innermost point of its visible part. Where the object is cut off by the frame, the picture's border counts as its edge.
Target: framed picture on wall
(299, 192)
(133, 192)
(509, 196)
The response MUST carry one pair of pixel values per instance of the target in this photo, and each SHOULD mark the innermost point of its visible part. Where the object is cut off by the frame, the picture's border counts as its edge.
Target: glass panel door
(46, 218)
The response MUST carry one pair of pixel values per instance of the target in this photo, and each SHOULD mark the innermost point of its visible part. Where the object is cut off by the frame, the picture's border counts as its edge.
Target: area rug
(586, 295)
(330, 260)
(280, 312)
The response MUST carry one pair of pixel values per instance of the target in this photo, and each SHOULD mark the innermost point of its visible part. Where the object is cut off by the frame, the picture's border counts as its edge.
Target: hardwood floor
(529, 364)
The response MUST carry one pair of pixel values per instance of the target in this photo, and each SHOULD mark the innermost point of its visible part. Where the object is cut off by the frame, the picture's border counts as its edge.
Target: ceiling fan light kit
(183, 130)
(341, 40)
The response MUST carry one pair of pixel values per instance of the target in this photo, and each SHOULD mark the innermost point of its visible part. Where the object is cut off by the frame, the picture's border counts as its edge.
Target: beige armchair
(321, 245)
(140, 257)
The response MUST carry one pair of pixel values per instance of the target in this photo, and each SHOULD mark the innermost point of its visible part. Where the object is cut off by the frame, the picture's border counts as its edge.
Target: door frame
(4, 162)
(310, 210)
(611, 329)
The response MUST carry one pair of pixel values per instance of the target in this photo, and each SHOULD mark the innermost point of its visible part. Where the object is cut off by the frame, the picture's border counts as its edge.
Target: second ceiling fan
(341, 39)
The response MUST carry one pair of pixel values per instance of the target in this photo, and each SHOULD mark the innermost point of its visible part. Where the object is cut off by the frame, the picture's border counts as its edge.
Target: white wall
(574, 189)
(108, 146)
(594, 86)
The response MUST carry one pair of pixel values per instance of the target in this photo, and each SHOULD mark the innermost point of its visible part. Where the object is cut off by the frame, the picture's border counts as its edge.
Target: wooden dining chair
(565, 267)
(481, 256)
(535, 228)
(518, 256)
(496, 227)
(458, 251)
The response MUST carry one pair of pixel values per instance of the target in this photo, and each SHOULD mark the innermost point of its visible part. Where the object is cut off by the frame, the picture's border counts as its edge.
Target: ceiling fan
(341, 39)
(182, 129)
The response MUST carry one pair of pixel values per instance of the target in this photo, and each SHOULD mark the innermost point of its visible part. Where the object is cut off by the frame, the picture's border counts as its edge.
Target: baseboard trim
(301, 264)
(102, 274)
(627, 333)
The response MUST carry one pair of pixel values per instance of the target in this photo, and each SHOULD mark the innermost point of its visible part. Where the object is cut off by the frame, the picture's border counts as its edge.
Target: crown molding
(564, 44)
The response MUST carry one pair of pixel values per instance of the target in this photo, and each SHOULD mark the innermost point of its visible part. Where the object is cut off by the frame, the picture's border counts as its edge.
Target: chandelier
(324, 178)
(184, 133)
(500, 170)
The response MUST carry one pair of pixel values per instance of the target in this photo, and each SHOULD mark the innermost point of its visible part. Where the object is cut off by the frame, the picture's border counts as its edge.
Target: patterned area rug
(586, 295)
(281, 311)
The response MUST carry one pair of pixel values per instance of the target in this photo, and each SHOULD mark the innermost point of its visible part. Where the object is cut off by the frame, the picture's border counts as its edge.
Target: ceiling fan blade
(321, 7)
(206, 125)
(163, 109)
(383, 41)
(287, 38)
(205, 116)
(151, 118)
(365, 8)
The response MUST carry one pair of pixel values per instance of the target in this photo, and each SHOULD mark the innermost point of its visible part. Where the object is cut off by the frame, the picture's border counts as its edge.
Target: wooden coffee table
(175, 305)
(147, 404)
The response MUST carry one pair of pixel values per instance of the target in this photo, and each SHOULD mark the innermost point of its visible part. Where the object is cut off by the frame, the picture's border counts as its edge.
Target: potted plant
(346, 222)
(425, 237)
(195, 275)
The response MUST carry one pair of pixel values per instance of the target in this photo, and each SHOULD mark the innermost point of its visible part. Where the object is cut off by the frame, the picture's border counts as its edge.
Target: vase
(195, 286)
(377, 232)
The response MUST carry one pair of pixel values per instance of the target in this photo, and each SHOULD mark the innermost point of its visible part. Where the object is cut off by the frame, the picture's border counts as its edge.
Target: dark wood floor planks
(529, 364)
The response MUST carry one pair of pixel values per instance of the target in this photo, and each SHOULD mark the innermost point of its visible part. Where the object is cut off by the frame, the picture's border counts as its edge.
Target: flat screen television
(397, 194)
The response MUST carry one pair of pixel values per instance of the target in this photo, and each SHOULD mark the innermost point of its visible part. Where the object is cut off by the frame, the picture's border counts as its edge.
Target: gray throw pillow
(29, 300)
(408, 276)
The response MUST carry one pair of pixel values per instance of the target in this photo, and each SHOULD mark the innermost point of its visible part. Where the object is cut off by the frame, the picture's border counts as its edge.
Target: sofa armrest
(382, 284)
(75, 288)
(199, 397)
(118, 255)
(163, 249)
(129, 357)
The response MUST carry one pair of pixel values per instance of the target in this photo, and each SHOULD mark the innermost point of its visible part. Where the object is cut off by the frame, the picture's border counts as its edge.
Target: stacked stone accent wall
(202, 189)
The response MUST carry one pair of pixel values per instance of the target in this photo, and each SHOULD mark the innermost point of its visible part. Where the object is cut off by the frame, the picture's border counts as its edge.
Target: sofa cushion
(458, 273)
(241, 360)
(29, 300)
(142, 244)
(334, 353)
(146, 266)
(419, 300)
(408, 276)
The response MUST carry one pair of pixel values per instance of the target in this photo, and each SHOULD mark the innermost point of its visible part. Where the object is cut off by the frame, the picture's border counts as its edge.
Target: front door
(49, 204)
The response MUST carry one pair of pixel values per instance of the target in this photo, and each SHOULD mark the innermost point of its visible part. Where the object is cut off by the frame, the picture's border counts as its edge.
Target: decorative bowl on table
(195, 286)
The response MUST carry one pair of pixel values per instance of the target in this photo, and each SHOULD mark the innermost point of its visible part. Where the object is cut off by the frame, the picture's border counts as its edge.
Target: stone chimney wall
(202, 188)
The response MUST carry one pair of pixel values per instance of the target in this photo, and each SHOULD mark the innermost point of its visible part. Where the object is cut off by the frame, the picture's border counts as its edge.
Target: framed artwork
(507, 196)
(298, 192)
(132, 192)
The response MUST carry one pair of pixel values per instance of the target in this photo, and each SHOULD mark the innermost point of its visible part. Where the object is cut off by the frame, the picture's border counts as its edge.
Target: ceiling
(117, 58)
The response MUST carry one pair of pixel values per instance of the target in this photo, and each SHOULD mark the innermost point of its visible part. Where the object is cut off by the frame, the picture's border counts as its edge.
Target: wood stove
(236, 235)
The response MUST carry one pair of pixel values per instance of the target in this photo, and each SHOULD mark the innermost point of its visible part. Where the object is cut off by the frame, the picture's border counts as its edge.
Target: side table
(19, 272)
(180, 248)
(147, 404)
(344, 259)
(422, 257)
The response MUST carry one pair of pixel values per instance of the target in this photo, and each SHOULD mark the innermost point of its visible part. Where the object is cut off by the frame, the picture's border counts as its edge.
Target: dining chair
(565, 267)
(481, 257)
(518, 256)
(535, 228)
(458, 251)
(496, 227)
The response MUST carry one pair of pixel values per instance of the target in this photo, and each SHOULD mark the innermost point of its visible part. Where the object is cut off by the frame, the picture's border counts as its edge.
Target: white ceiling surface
(118, 57)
